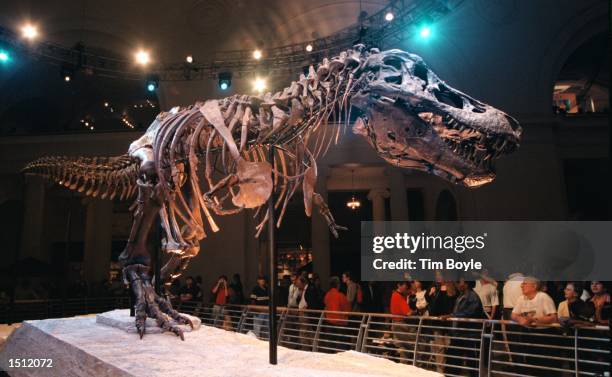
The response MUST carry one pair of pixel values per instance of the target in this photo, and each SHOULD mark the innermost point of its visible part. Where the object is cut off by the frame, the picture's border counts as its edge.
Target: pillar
(97, 239)
(320, 232)
(377, 196)
(399, 196)
(33, 220)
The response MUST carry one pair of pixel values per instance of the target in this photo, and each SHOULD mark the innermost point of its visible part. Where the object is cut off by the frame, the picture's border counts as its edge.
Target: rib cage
(104, 177)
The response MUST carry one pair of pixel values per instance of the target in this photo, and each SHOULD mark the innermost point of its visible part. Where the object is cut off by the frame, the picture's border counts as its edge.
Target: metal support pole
(273, 340)
(157, 260)
(66, 256)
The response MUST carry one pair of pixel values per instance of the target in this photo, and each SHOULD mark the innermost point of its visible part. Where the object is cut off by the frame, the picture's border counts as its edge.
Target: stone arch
(585, 25)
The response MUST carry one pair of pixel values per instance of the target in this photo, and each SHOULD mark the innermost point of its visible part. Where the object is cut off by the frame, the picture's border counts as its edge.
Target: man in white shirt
(534, 307)
(486, 289)
(294, 293)
(512, 291)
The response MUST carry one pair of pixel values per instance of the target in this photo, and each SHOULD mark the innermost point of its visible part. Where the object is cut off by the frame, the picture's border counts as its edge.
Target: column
(377, 196)
(97, 239)
(33, 219)
(399, 196)
(320, 232)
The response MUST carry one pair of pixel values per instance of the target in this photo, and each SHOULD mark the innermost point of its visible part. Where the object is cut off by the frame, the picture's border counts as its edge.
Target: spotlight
(257, 54)
(4, 56)
(389, 16)
(142, 57)
(189, 59)
(225, 80)
(67, 73)
(29, 31)
(259, 85)
(309, 47)
(105, 104)
(425, 32)
(152, 83)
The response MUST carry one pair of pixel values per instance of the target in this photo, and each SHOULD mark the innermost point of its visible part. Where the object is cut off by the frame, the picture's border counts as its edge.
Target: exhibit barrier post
(272, 338)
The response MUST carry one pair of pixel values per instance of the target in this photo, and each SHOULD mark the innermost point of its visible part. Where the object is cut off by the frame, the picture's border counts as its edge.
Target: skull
(415, 120)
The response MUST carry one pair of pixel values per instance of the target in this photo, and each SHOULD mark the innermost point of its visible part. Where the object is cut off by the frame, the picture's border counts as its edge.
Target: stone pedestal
(82, 347)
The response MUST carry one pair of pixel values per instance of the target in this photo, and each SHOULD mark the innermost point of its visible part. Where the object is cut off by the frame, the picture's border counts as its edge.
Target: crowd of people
(523, 299)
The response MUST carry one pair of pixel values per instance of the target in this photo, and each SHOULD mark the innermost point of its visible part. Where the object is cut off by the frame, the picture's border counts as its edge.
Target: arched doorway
(584, 81)
(446, 207)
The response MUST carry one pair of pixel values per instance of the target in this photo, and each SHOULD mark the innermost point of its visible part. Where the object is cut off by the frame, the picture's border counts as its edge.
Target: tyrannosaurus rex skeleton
(210, 159)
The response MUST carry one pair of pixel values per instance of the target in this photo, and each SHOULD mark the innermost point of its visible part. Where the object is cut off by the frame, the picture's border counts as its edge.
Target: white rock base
(81, 347)
(120, 318)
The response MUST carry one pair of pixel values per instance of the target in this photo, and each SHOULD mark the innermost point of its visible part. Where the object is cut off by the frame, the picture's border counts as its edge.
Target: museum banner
(548, 250)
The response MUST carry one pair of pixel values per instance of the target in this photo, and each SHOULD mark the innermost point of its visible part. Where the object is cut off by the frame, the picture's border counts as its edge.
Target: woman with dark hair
(236, 293)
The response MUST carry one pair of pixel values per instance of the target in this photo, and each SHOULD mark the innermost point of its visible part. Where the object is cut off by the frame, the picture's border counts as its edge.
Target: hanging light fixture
(353, 203)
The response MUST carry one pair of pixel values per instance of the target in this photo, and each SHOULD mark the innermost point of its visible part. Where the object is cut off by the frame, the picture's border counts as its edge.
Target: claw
(185, 321)
(141, 332)
(177, 331)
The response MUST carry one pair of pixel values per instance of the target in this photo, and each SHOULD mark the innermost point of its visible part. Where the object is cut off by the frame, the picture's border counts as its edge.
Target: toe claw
(186, 321)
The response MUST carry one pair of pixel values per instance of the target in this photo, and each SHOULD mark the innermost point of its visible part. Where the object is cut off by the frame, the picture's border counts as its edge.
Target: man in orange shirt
(402, 331)
(336, 301)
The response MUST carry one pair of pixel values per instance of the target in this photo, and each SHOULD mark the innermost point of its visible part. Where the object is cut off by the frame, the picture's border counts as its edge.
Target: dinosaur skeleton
(209, 159)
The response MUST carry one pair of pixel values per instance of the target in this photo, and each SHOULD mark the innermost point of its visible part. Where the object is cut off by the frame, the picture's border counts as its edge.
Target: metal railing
(22, 310)
(451, 346)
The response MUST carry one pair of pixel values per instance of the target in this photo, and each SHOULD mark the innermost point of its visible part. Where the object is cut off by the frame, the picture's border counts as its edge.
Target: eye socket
(446, 96)
(394, 79)
(393, 62)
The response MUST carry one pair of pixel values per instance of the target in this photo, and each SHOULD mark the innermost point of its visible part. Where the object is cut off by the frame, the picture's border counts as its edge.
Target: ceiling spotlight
(225, 80)
(309, 47)
(257, 54)
(29, 31)
(259, 85)
(4, 56)
(142, 57)
(189, 59)
(105, 104)
(67, 78)
(152, 83)
(389, 16)
(425, 32)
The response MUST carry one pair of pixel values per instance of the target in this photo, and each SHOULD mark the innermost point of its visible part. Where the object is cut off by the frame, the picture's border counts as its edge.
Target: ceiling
(173, 29)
